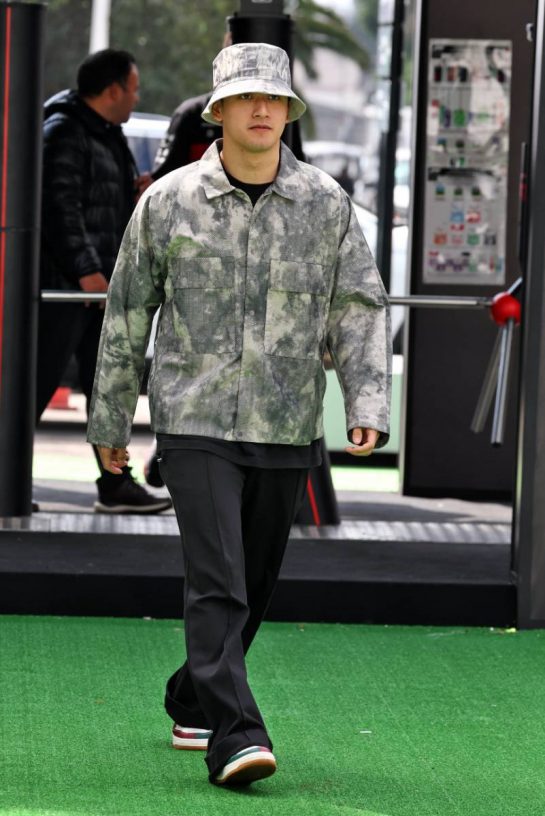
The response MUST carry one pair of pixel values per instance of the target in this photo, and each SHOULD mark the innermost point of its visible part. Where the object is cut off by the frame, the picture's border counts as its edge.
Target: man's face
(252, 121)
(125, 98)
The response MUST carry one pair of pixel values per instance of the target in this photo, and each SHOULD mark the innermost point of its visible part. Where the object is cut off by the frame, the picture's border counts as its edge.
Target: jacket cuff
(87, 264)
(101, 443)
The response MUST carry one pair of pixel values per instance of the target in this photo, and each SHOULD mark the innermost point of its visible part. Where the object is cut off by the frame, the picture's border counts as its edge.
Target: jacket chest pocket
(296, 310)
(204, 304)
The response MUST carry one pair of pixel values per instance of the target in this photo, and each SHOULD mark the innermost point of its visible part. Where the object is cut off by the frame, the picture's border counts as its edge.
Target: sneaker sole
(190, 739)
(141, 510)
(247, 770)
(185, 744)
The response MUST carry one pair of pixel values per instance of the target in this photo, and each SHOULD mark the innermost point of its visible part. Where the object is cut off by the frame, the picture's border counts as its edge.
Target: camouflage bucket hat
(253, 68)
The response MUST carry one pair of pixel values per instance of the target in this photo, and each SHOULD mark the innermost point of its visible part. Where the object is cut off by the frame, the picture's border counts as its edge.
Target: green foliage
(175, 41)
(320, 27)
(366, 15)
(67, 27)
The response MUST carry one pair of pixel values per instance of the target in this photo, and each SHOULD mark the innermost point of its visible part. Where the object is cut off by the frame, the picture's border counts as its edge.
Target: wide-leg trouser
(234, 524)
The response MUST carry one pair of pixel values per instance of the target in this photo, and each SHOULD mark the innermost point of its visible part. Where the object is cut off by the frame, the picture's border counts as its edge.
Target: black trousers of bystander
(234, 524)
(66, 329)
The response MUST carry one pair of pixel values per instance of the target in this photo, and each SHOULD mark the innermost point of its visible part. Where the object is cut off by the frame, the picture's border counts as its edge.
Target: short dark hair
(103, 68)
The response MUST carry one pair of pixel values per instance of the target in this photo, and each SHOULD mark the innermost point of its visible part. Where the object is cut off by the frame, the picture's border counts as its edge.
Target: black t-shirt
(249, 454)
(253, 191)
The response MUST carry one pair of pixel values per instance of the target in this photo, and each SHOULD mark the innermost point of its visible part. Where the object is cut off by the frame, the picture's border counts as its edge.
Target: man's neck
(251, 168)
(96, 104)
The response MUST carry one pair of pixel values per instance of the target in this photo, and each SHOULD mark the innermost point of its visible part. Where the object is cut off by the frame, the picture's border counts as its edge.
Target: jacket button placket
(252, 331)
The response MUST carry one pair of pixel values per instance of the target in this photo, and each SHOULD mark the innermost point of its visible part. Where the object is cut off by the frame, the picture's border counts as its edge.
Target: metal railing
(414, 301)
(497, 375)
(69, 296)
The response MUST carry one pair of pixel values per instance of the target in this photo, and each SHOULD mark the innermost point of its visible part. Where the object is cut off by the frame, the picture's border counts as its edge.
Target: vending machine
(473, 85)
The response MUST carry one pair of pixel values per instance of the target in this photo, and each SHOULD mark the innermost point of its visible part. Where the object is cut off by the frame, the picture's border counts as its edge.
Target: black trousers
(66, 329)
(234, 524)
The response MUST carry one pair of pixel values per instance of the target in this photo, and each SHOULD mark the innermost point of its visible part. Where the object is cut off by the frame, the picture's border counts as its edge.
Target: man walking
(89, 192)
(258, 264)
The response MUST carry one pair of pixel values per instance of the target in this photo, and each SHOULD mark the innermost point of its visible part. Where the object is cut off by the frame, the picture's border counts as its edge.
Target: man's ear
(113, 92)
(217, 111)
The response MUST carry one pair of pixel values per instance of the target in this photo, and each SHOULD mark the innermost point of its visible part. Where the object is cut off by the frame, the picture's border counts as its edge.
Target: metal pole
(506, 344)
(68, 296)
(414, 301)
(388, 146)
(21, 52)
(100, 26)
(516, 287)
(440, 301)
(487, 391)
(529, 517)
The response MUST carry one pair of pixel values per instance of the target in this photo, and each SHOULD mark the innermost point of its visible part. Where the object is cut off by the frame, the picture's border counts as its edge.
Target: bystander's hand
(113, 459)
(363, 441)
(94, 283)
(142, 183)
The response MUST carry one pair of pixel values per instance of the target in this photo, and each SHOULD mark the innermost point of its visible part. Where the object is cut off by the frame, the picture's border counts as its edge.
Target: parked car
(144, 132)
(345, 162)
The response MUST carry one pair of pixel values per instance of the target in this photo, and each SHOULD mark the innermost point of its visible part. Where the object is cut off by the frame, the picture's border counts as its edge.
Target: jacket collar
(216, 183)
(70, 103)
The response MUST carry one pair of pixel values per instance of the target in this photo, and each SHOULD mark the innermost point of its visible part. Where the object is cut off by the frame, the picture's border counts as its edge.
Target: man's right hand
(94, 283)
(113, 459)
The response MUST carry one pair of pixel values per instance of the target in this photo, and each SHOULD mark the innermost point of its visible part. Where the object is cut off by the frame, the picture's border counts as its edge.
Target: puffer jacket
(88, 192)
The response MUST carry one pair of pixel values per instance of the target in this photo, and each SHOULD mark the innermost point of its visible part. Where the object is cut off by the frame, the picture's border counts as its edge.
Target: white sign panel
(467, 152)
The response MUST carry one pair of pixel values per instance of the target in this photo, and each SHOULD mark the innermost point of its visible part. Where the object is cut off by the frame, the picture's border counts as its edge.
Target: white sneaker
(190, 739)
(250, 764)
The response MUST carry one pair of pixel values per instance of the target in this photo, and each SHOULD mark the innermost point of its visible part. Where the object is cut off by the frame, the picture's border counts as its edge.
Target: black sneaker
(127, 496)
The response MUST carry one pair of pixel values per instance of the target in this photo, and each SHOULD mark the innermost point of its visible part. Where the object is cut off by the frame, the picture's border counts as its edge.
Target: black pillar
(529, 523)
(262, 22)
(21, 28)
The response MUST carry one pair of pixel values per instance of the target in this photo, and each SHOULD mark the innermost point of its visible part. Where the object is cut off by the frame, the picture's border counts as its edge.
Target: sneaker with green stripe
(249, 765)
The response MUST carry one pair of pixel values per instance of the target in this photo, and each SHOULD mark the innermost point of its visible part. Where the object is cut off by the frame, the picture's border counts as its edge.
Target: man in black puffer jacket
(90, 186)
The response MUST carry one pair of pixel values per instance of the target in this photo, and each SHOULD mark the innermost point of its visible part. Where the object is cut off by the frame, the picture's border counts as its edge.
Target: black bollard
(21, 57)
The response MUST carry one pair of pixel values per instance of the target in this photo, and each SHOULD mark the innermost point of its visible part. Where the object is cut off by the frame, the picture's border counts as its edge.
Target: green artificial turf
(366, 721)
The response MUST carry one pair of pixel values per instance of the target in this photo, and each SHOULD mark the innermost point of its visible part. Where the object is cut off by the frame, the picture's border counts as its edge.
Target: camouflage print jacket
(250, 298)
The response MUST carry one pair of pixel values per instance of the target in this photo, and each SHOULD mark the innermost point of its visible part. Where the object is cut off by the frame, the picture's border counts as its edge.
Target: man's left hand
(363, 441)
(113, 459)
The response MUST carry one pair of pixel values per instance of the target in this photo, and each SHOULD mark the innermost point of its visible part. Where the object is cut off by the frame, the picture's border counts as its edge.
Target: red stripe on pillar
(4, 192)
(313, 503)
